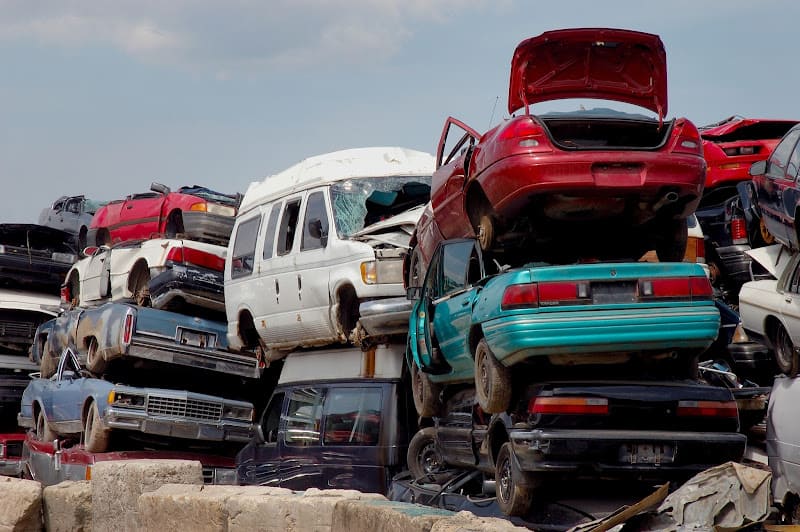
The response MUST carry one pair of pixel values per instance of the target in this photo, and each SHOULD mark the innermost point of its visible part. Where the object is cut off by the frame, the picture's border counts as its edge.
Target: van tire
(492, 380)
(424, 459)
(427, 394)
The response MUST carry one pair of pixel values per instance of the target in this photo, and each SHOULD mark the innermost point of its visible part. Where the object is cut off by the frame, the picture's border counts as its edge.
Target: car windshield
(211, 195)
(91, 206)
(363, 201)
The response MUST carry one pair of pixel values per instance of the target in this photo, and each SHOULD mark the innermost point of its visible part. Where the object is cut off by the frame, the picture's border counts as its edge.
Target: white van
(313, 242)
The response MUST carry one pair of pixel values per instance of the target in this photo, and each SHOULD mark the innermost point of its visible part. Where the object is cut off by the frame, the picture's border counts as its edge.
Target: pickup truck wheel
(94, 360)
(43, 431)
(426, 393)
(786, 356)
(492, 380)
(513, 498)
(95, 437)
(424, 459)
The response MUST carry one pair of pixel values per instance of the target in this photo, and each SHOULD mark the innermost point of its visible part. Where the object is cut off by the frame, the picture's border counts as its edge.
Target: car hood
(773, 258)
(395, 231)
(610, 64)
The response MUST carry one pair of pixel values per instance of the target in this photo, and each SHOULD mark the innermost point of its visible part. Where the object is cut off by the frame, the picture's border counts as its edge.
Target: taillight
(701, 287)
(707, 409)
(558, 293)
(738, 230)
(175, 254)
(127, 329)
(526, 133)
(66, 295)
(520, 296)
(688, 140)
(568, 405)
(740, 150)
(700, 250)
(675, 288)
(187, 255)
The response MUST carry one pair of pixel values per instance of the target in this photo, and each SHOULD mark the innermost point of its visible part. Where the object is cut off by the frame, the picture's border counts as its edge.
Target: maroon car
(553, 185)
(195, 212)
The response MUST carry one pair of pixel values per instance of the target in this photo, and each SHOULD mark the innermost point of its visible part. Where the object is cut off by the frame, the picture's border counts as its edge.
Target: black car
(642, 429)
(35, 257)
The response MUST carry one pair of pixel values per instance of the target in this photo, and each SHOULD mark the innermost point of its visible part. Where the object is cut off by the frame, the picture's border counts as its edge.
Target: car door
(456, 145)
(67, 393)
(69, 218)
(299, 440)
(263, 465)
(95, 275)
(776, 183)
(422, 325)
(454, 431)
(52, 217)
(140, 217)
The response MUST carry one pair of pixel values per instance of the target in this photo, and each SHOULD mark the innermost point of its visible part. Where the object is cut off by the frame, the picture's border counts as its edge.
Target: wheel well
(139, 266)
(347, 312)
(175, 217)
(88, 341)
(476, 201)
(497, 437)
(103, 237)
(36, 409)
(475, 336)
(771, 328)
(247, 330)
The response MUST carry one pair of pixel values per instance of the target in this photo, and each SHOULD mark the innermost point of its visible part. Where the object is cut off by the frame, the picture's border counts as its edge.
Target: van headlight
(382, 272)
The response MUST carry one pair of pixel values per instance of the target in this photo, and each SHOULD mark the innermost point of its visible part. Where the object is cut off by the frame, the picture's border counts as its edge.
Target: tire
(786, 356)
(513, 498)
(103, 238)
(43, 431)
(48, 365)
(74, 285)
(485, 231)
(427, 394)
(671, 240)
(174, 225)
(95, 437)
(416, 276)
(492, 380)
(82, 239)
(424, 458)
(94, 360)
(140, 286)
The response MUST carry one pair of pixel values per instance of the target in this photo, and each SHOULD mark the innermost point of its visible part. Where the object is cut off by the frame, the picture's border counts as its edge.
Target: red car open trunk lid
(610, 64)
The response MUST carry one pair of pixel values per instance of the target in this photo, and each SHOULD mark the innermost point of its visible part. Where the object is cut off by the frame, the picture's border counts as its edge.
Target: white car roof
(343, 363)
(338, 166)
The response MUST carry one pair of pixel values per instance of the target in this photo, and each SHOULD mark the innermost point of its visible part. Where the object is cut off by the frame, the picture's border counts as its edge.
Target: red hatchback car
(195, 212)
(598, 183)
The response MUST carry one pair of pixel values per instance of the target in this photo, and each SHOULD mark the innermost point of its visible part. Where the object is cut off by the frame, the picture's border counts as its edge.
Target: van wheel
(424, 459)
(492, 380)
(43, 431)
(426, 393)
(94, 360)
(513, 498)
(95, 437)
(786, 356)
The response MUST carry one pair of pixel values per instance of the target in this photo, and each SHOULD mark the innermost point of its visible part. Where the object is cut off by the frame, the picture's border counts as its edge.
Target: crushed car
(71, 214)
(34, 257)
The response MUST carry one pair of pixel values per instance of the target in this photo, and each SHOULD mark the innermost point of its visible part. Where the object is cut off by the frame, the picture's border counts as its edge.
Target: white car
(770, 308)
(163, 273)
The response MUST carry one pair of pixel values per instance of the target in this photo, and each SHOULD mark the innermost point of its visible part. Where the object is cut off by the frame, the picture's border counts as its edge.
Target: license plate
(613, 292)
(647, 453)
(195, 338)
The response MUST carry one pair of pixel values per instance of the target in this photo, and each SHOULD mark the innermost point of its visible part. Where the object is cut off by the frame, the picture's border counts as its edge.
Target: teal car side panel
(451, 324)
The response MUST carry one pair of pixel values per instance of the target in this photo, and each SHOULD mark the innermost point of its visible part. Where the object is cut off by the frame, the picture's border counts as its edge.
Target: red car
(195, 212)
(732, 145)
(598, 183)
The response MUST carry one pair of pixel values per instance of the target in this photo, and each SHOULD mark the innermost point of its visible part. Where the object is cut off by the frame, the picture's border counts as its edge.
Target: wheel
(486, 231)
(94, 360)
(82, 239)
(766, 237)
(140, 286)
(513, 498)
(43, 431)
(103, 238)
(671, 240)
(424, 459)
(426, 393)
(415, 274)
(48, 364)
(785, 354)
(74, 287)
(95, 437)
(492, 380)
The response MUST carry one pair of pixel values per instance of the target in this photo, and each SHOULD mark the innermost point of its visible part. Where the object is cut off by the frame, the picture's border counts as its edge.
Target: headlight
(238, 412)
(214, 208)
(382, 272)
(126, 399)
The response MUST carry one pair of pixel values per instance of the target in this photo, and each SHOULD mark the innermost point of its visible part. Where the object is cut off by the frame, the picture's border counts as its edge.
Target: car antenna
(494, 108)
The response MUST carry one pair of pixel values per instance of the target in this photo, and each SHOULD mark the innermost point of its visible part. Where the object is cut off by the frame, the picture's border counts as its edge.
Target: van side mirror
(758, 168)
(316, 231)
(413, 292)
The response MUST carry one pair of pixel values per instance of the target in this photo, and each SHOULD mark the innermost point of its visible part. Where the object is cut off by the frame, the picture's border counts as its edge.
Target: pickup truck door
(300, 444)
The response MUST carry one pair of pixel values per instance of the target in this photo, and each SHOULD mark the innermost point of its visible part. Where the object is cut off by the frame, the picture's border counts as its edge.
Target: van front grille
(183, 408)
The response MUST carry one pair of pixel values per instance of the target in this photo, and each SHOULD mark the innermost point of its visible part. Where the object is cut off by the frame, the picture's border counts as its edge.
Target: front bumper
(141, 421)
(607, 450)
(385, 316)
(735, 262)
(521, 336)
(196, 286)
(11, 468)
(198, 225)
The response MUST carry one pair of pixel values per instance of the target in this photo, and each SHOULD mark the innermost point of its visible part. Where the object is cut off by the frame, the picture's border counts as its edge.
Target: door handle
(465, 303)
(299, 288)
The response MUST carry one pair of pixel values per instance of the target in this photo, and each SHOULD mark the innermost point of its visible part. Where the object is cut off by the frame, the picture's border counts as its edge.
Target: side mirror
(158, 187)
(259, 436)
(316, 231)
(758, 168)
(413, 292)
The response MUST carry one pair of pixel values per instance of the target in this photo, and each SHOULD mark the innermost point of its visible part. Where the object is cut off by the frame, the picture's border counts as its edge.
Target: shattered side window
(360, 202)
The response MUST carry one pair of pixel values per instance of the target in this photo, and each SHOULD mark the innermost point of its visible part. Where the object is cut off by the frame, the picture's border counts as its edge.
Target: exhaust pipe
(669, 197)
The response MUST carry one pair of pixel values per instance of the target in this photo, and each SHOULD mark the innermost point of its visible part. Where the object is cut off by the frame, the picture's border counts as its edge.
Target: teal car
(474, 321)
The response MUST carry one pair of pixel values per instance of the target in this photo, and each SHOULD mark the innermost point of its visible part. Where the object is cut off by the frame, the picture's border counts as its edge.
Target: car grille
(21, 329)
(184, 408)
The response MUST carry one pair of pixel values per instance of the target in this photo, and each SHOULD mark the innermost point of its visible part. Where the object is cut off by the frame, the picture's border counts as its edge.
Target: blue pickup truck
(114, 331)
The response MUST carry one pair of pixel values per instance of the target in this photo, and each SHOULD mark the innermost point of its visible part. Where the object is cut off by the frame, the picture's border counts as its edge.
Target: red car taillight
(526, 133)
(66, 295)
(545, 294)
(187, 255)
(707, 409)
(738, 230)
(688, 139)
(675, 288)
(568, 405)
(520, 296)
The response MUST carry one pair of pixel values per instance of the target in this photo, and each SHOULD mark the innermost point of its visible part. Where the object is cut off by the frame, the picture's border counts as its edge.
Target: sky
(102, 98)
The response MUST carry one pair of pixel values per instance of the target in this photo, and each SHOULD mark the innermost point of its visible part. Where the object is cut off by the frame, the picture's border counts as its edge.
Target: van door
(259, 463)
(299, 441)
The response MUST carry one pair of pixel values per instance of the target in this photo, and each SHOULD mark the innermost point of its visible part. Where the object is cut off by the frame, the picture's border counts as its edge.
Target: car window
(315, 210)
(269, 235)
(272, 417)
(74, 206)
(455, 266)
(57, 206)
(794, 163)
(303, 417)
(244, 247)
(288, 226)
(431, 284)
(352, 416)
(778, 161)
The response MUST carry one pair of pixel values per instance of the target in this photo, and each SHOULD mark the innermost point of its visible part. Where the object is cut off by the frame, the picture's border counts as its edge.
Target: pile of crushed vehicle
(532, 308)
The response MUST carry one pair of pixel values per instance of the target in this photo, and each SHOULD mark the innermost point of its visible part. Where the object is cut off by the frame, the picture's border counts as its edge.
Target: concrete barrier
(20, 505)
(68, 507)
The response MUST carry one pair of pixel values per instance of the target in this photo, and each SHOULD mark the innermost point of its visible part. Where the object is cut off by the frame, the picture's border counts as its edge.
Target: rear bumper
(750, 355)
(605, 450)
(196, 286)
(386, 316)
(735, 262)
(126, 419)
(199, 225)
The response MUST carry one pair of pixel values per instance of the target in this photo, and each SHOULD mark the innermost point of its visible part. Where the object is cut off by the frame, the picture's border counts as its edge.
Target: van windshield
(362, 201)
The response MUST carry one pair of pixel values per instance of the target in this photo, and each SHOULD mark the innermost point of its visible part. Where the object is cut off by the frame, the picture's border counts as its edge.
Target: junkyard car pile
(519, 311)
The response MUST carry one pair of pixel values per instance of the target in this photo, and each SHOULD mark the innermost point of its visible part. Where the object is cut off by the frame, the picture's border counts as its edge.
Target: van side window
(303, 417)
(315, 211)
(244, 248)
(352, 416)
(269, 236)
(272, 418)
(288, 226)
